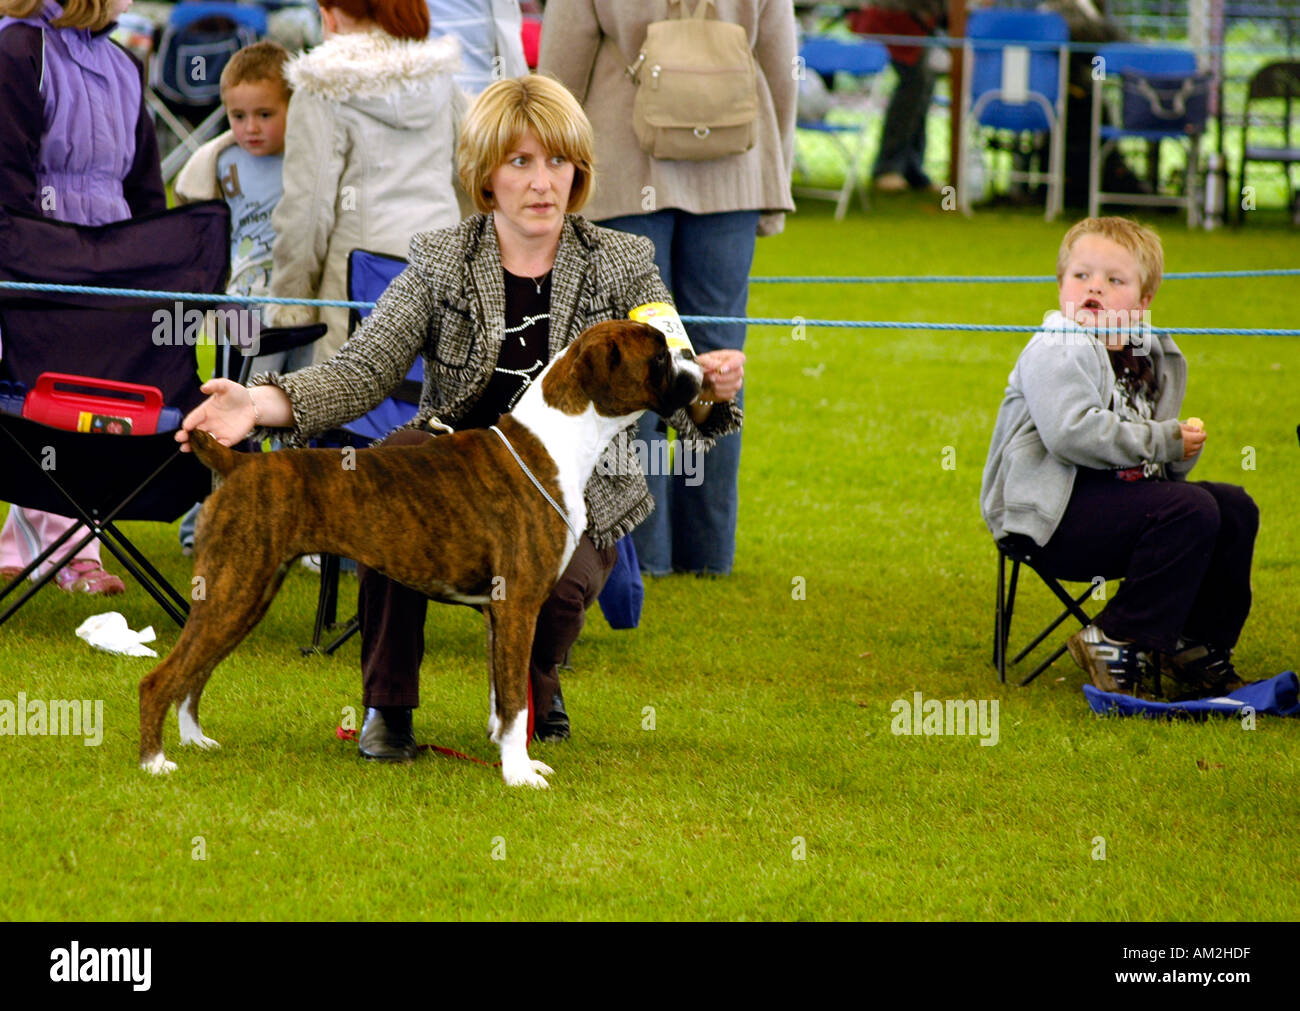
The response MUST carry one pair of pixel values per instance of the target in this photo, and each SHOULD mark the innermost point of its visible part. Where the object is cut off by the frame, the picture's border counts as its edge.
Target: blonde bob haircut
(92, 14)
(498, 121)
(1140, 241)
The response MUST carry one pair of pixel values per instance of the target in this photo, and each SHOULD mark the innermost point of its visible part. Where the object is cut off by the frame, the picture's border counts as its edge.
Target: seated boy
(1089, 460)
(244, 166)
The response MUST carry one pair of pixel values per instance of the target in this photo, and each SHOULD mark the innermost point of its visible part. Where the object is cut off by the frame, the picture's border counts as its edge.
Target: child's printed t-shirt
(252, 186)
(1134, 403)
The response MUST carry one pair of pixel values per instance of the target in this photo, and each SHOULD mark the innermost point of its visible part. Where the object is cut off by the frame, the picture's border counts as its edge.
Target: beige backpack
(697, 89)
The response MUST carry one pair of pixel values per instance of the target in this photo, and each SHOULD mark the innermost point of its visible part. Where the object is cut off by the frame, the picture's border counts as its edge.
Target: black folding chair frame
(1006, 607)
(106, 532)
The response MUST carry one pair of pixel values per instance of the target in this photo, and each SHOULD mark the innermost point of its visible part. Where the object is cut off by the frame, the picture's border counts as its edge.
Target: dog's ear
(565, 384)
(614, 358)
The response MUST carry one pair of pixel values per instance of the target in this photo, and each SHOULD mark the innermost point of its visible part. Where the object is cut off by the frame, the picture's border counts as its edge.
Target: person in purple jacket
(77, 145)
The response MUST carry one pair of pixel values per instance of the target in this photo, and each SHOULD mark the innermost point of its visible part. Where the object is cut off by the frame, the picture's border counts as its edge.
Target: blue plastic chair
(369, 274)
(1160, 83)
(185, 72)
(1277, 84)
(863, 60)
(1015, 82)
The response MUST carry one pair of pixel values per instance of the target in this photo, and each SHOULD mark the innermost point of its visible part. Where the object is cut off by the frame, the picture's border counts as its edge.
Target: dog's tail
(213, 455)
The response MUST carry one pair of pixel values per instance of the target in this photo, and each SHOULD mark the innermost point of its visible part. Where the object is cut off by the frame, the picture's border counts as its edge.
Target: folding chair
(368, 275)
(1271, 83)
(863, 60)
(99, 479)
(1015, 89)
(1021, 550)
(185, 74)
(1163, 98)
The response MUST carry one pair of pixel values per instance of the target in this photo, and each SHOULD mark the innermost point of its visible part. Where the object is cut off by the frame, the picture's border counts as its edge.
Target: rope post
(956, 30)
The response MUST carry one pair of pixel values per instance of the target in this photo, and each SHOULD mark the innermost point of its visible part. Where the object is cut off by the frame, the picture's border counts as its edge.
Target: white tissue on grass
(110, 633)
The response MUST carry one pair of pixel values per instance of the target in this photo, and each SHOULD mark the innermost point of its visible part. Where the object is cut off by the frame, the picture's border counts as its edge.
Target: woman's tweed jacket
(449, 306)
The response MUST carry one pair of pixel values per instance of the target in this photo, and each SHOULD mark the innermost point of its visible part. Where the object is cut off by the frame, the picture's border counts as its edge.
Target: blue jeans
(704, 259)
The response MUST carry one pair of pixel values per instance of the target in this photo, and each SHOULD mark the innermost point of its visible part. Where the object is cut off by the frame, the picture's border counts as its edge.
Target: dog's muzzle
(686, 383)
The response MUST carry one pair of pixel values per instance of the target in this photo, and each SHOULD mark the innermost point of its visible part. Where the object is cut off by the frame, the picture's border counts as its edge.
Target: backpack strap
(632, 68)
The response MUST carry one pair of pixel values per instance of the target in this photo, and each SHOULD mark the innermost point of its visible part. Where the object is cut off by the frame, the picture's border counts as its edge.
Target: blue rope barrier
(180, 296)
(851, 324)
(1003, 279)
(980, 45)
(81, 289)
(192, 296)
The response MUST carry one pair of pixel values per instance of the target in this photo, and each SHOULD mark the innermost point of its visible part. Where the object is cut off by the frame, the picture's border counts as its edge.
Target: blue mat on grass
(1277, 696)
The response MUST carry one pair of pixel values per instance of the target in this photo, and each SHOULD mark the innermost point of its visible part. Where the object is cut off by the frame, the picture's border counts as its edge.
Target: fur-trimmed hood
(380, 76)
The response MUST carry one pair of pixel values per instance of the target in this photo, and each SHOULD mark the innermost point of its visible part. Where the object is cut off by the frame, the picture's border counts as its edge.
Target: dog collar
(537, 484)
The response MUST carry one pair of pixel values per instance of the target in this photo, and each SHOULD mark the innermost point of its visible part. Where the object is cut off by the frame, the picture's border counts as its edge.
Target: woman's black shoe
(555, 727)
(386, 736)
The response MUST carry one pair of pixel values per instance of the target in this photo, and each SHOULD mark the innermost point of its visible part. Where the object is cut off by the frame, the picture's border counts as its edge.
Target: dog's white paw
(158, 765)
(542, 767)
(528, 774)
(494, 727)
(189, 728)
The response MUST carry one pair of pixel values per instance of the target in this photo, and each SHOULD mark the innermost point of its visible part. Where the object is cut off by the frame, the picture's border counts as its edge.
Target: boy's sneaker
(1113, 666)
(1202, 669)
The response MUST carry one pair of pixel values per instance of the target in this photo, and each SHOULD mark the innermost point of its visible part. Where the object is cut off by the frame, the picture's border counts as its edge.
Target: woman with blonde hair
(77, 145)
(487, 304)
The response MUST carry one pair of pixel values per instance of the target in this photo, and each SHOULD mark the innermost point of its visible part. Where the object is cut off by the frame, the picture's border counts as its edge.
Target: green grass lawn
(771, 785)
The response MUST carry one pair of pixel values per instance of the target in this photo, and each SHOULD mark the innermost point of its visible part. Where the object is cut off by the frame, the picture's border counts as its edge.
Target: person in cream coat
(369, 152)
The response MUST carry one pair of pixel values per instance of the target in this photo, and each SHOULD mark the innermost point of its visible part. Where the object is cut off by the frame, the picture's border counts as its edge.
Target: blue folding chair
(863, 60)
(1276, 84)
(369, 274)
(185, 72)
(1017, 88)
(1161, 97)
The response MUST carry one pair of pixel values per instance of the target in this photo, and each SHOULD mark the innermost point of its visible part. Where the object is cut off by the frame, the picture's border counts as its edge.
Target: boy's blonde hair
(1139, 240)
(498, 120)
(92, 14)
(262, 61)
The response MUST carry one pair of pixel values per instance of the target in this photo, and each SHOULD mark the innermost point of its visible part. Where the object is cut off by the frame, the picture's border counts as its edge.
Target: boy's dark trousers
(1183, 550)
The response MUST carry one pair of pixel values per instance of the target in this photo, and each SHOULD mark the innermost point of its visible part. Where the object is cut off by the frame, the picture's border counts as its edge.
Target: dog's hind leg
(510, 637)
(187, 715)
(216, 625)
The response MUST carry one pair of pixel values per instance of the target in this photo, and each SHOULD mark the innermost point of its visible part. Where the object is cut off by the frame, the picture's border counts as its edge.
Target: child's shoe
(1201, 669)
(85, 575)
(1114, 666)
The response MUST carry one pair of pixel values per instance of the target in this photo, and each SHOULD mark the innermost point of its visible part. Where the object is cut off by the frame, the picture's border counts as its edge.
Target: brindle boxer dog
(447, 518)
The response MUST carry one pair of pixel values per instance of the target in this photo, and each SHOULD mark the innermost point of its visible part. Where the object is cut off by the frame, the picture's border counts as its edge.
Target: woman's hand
(1193, 440)
(228, 414)
(724, 374)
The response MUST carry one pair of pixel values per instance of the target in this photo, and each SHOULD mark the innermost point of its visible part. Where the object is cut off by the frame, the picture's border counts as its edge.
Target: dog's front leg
(510, 640)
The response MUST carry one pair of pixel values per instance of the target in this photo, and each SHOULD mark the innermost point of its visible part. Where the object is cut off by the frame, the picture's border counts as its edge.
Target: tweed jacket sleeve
(366, 369)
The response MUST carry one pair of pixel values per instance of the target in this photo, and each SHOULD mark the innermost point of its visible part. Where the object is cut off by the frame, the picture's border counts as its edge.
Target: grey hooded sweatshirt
(1056, 417)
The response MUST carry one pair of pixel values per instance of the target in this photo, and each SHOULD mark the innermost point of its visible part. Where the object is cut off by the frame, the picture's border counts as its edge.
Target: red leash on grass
(352, 735)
